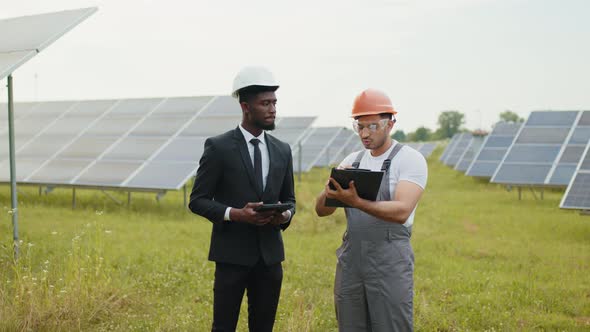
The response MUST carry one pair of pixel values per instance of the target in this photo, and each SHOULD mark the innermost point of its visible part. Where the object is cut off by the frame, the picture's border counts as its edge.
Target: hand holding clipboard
(366, 183)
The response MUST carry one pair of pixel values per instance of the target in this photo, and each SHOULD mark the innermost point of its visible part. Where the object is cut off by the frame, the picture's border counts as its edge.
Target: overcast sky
(480, 57)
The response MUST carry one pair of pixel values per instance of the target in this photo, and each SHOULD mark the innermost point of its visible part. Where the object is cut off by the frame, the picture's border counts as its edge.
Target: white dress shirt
(264, 155)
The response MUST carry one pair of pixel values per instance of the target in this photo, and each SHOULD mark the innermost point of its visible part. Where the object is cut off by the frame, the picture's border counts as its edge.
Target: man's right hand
(248, 215)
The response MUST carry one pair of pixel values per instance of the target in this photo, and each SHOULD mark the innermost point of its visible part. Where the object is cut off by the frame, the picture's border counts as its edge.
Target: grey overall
(373, 290)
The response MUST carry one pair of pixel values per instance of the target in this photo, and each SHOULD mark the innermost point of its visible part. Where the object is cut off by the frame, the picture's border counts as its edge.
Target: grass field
(484, 261)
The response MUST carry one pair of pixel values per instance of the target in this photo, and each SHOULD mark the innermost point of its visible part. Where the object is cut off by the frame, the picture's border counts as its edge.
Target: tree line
(449, 123)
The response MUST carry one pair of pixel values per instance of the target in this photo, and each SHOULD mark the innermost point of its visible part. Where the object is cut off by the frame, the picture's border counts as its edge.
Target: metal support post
(533, 191)
(73, 198)
(160, 195)
(129, 199)
(184, 196)
(13, 193)
(299, 161)
(519, 193)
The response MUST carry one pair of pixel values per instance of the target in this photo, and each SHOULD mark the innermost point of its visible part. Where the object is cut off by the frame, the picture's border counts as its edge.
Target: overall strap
(357, 162)
(387, 162)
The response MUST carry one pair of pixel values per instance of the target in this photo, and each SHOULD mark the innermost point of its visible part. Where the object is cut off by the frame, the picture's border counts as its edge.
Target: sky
(480, 57)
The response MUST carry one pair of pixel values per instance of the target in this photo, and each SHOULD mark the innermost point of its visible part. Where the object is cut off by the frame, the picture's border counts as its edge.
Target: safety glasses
(373, 127)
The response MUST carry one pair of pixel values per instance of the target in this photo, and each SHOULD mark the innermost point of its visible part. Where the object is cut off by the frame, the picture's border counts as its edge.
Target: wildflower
(54, 233)
(108, 231)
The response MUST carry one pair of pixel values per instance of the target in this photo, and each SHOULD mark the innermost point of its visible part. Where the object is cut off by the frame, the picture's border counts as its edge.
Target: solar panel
(546, 150)
(333, 151)
(353, 145)
(458, 149)
(9, 61)
(314, 147)
(414, 145)
(292, 130)
(472, 149)
(577, 195)
(144, 144)
(427, 148)
(571, 153)
(493, 149)
(449, 147)
(346, 147)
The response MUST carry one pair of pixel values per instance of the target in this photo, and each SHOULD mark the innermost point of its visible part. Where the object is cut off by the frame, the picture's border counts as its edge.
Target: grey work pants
(373, 290)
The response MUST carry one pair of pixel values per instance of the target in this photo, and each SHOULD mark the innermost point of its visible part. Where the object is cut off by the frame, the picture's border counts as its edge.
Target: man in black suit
(239, 171)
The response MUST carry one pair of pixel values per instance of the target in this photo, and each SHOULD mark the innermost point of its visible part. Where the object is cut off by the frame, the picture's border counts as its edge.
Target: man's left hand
(348, 196)
(280, 218)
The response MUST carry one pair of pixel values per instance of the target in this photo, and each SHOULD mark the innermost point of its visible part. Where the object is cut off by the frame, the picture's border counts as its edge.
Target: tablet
(274, 207)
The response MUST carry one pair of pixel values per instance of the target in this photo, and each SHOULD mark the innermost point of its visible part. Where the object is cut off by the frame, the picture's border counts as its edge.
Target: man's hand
(280, 218)
(348, 196)
(248, 215)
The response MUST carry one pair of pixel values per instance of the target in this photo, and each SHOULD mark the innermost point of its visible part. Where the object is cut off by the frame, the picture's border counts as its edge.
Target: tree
(510, 116)
(399, 136)
(450, 123)
(421, 134)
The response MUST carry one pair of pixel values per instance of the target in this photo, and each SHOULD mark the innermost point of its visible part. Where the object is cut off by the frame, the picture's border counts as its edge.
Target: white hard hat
(253, 75)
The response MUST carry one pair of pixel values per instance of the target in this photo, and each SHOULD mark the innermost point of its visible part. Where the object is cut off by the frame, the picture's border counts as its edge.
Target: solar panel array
(425, 148)
(577, 195)
(334, 152)
(138, 144)
(450, 147)
(314, 147)
(494, 148)
(458, 149)
(546, 150)
(568, 159)
(467, 157)
(352, 145)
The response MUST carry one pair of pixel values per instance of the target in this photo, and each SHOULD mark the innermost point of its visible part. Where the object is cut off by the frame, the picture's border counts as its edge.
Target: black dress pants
(263, 286)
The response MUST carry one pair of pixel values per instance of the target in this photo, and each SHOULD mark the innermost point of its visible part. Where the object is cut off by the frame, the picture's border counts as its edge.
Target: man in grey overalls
(373, 289)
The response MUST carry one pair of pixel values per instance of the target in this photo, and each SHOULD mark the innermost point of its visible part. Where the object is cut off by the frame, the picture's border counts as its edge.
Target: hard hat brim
(372, 113)
(236, 93)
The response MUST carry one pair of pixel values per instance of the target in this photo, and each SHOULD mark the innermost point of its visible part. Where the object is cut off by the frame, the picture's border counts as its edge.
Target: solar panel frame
(344, 150)
(314, 150)
(449, 147)
(568, 159)
(531, 167)
(462, 142)
(86, 138)
(469, 154)
(579, 185)
(493, 149)
(333, 150)
(427, 149)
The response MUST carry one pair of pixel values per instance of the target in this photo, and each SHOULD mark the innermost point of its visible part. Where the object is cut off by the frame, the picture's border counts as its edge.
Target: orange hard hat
(371, 102)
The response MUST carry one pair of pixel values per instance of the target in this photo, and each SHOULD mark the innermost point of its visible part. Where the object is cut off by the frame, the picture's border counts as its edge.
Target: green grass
(484, 261)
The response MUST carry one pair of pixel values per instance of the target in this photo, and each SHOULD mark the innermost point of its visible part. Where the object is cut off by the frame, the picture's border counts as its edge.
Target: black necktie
(257, 164)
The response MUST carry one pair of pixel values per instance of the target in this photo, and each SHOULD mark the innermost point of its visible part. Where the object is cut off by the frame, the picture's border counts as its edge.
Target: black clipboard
(367, 183)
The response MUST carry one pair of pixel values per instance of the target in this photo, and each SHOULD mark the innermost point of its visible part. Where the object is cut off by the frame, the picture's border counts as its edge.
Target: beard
(264, 126)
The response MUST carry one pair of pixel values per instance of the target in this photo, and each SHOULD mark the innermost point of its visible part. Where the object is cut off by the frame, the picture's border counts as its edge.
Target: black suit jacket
(225, 178)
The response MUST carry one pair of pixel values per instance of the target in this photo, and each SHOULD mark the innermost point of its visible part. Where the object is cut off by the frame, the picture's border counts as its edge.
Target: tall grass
(71, 290)
(484, 261)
